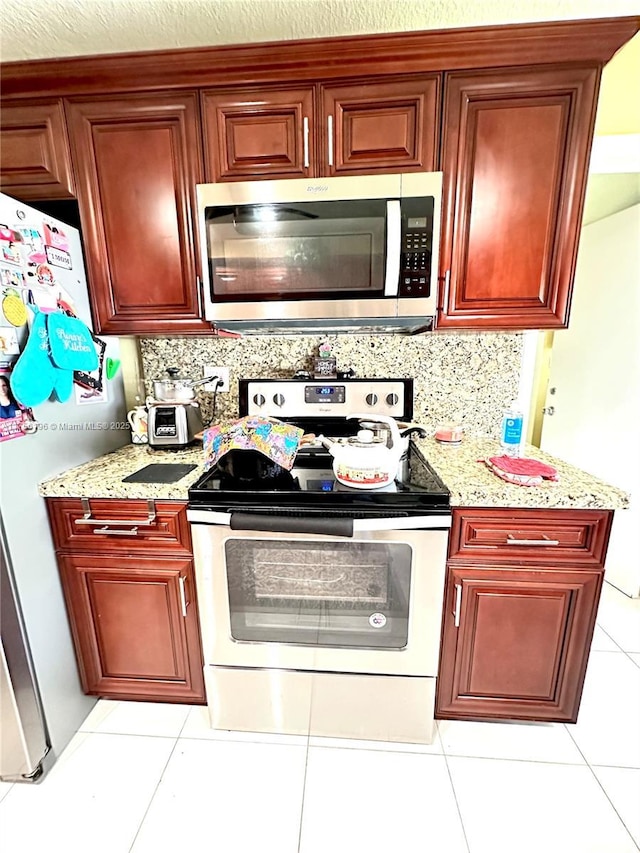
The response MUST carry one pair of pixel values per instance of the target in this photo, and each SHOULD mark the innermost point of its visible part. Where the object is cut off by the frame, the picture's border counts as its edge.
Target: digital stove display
(324, 393)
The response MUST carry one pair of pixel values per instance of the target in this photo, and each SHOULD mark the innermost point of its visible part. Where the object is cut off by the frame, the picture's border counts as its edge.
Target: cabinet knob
(371, 399)
(278, 399)
(259, 399)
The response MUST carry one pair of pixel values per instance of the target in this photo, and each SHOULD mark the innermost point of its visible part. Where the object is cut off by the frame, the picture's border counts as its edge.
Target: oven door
(370, 604)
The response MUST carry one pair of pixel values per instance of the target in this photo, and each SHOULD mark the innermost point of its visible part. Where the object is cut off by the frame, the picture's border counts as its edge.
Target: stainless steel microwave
(353, 253)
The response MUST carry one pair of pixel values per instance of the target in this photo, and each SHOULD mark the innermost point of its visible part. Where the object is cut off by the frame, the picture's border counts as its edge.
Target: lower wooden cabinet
(131, 600)
(516, 642)
(135, 626)
(520, 606)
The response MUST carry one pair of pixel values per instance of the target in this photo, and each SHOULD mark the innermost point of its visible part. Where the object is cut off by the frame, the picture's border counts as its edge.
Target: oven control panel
(300, 398)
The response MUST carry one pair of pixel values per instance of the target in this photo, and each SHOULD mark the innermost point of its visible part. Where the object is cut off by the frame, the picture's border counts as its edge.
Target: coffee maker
(173, 426)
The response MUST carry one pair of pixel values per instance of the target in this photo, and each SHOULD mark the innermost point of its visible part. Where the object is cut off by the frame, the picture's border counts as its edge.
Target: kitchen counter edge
(461, 469)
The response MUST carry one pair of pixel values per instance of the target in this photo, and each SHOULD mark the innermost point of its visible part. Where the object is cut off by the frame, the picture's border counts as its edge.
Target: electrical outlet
(215, 370)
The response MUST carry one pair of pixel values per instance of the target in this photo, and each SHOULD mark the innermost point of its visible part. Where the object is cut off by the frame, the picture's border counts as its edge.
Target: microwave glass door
(319, 593)
(295, 250)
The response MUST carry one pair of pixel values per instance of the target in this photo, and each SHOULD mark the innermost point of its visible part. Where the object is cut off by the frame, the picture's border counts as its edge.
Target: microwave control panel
(415, 257)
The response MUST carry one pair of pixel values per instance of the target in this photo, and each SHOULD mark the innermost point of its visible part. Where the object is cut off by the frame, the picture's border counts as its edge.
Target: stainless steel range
(320, 604)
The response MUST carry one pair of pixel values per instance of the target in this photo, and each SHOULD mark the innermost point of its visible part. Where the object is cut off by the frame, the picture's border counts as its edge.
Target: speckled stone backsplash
(458, 376)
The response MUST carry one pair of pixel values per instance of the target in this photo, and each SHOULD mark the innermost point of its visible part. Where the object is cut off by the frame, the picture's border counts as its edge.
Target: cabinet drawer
(158, 528)
(530, 537)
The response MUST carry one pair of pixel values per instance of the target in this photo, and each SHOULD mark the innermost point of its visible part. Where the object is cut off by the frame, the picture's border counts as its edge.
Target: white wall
(75, 27)
(595, 368)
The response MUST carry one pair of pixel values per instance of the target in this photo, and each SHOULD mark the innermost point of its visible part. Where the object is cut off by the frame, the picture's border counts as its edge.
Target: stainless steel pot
(177, 389)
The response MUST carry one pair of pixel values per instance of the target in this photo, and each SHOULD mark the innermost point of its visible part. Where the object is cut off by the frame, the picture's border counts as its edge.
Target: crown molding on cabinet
(594, 40)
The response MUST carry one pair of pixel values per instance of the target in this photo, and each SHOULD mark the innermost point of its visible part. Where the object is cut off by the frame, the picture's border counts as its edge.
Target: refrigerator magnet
(56, 247)
(92, 380)
(13, 308)
(14, 418)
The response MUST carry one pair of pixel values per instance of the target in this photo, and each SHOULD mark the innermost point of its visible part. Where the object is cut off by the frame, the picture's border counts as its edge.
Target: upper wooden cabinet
(390, 126)
(34, 151)
(258, 134)
(138, 160)
(357, 129)
(515, 153)
(506, 112)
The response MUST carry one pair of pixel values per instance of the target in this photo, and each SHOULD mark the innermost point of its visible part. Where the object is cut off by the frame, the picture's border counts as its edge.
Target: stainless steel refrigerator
(41, 700)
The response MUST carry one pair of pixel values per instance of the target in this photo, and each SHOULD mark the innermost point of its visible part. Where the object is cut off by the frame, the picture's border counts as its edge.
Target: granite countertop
(470, 482)
(102, 477)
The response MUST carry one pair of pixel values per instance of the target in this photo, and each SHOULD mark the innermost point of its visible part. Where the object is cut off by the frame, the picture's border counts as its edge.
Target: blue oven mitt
(70, 343)
(63, 383)
(33, 377)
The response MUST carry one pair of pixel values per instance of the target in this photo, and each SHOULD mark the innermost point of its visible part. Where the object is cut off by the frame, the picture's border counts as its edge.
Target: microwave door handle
(394, 235)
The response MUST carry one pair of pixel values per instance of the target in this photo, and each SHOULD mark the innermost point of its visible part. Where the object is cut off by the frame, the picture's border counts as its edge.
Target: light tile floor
(150, 778)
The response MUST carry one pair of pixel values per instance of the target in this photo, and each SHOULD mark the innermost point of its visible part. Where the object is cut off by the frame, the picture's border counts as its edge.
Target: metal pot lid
(365, 438)
(174, 379)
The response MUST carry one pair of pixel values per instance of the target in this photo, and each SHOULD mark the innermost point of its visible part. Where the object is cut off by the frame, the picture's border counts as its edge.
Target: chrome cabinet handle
(305, 132)
(183, 596)
(106, 531)
(116, 522)
(330, 139)
(511, 540)
(456, 612)
(445, 290)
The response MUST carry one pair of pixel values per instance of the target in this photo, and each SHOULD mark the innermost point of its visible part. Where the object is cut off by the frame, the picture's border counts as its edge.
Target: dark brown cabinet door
(138, 160)
(515, 156)
(264, 134)
(380, 127)
(135, 626)
(516, 642)
(34, 151)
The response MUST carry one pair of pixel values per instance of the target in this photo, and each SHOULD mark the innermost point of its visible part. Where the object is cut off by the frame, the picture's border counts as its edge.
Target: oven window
(344, 594)
(289, 251)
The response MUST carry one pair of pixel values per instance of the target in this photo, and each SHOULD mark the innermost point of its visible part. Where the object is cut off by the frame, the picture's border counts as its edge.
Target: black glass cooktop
(311, 484)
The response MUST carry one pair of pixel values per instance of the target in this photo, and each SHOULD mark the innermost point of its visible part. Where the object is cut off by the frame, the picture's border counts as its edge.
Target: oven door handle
(303, 524)
(291, 524)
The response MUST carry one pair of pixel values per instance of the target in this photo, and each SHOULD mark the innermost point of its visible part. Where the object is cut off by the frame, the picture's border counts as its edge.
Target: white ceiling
(38, 29)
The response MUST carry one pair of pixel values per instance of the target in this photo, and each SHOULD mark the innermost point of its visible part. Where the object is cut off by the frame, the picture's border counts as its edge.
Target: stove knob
(278, 399)
(371, 399)
(259, 399)
(392, 399)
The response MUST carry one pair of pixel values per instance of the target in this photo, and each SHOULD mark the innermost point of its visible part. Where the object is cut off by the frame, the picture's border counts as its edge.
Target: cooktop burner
(312, 484)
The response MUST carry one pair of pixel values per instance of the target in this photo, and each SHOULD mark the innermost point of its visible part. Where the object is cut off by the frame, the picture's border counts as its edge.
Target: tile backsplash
(463, 376)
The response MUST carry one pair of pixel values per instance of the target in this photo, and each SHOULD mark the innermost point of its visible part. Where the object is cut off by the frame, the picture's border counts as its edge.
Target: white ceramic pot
(365, 462)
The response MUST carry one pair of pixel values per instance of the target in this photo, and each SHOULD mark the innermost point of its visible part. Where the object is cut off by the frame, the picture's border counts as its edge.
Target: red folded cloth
(520, 470)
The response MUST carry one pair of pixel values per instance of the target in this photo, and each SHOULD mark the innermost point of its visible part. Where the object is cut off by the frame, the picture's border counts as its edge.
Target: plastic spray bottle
(511, 430)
